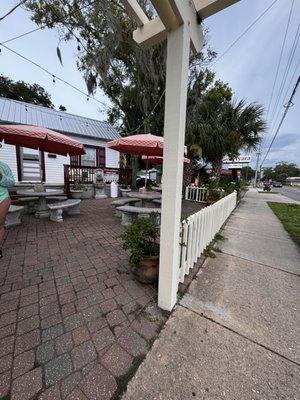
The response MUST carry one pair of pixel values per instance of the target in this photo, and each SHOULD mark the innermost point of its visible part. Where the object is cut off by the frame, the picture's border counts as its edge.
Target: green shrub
(141, 239)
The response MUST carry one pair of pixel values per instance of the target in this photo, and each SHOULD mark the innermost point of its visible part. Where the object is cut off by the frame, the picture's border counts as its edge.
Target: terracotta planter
(147, 270)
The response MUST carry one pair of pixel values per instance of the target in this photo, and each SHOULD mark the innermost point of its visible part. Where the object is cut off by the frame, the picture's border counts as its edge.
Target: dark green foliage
(133, 78)
(141, 239)
(222, 127)
(22, 91)
(247, 173)
(281, 171)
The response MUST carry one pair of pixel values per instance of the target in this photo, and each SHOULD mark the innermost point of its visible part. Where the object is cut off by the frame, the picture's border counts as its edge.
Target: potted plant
(125, 190)
(141, 238)
(88, 192)
(77, 190)
(99, 184)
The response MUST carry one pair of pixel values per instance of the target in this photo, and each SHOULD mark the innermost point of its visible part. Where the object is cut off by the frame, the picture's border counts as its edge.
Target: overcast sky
(249, 67)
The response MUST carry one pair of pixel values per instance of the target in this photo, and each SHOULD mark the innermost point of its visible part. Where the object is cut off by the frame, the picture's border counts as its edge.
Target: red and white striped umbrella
(142, 144)
(159, 160)
(36, 137)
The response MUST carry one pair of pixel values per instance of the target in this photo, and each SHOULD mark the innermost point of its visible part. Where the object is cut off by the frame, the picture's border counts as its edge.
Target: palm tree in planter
(223, 127)
(141, 238)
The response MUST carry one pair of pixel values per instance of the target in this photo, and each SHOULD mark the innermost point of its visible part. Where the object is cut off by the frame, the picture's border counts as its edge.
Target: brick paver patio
(74, 323)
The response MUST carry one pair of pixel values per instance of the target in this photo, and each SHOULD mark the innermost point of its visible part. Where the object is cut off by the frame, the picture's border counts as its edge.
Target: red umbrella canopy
(36, 137)
(159, 160)
(142, 144)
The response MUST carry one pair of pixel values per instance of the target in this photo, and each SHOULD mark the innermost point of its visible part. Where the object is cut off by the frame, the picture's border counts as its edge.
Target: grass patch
(219, 237)
(289, 216)
(208, 252)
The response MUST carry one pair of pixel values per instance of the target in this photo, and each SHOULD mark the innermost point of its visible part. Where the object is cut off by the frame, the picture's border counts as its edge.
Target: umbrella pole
(146, 173)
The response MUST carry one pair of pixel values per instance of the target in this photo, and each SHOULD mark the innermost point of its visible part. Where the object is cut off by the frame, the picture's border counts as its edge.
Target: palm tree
(222, 127)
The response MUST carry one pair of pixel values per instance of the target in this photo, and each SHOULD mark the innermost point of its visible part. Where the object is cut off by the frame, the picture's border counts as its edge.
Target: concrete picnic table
(42, 210)
(144, 197)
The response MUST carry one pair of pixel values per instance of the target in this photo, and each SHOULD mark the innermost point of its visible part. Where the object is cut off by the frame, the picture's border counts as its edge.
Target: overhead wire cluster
(283, 100)
(36, 64)
(79, 41)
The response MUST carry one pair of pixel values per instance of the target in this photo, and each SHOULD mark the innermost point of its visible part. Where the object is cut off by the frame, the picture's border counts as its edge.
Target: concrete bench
(30, 203)
(13, 217)
(57, 198)
(129, 213)
(56, 209)
(123, 202)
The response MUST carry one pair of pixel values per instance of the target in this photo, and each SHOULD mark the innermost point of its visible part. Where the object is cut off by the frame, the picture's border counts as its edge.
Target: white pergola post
(179, 22)
(174, 133)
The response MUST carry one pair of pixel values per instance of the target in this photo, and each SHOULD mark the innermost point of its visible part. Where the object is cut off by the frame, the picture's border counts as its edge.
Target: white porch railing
(199, 229)
(195, 193)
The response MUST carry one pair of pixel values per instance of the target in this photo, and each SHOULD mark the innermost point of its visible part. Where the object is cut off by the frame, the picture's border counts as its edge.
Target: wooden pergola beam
(136, 12)
(171, 16)
(151, 33)
(206, 8)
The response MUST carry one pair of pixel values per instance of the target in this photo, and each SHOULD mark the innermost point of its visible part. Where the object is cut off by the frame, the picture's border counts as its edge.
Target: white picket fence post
(195, 193)
(199, 229)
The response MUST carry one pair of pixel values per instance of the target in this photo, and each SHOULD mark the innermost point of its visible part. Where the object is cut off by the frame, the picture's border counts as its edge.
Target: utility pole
(258, 154)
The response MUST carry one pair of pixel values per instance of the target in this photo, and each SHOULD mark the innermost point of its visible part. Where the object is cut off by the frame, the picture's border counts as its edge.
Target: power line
(218, 58)
(286, 71)
(289, 104)
(244, 33)
(45, 26)
(22, 35)
(54, 76)
(280, 56)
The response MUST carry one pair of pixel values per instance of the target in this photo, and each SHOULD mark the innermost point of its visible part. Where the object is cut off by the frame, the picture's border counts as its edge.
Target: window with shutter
(100, 156)
(75, 160)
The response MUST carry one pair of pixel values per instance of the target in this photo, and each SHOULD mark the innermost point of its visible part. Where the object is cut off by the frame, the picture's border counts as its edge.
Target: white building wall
(54, 168)
(8, 155)
(112, 157)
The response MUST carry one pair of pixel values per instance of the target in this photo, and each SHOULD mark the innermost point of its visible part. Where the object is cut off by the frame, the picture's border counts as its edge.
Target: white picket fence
(199, 229)
(195, 193)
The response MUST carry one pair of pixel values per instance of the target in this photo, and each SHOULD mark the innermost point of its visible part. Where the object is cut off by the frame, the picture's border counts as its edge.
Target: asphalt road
(288, 191)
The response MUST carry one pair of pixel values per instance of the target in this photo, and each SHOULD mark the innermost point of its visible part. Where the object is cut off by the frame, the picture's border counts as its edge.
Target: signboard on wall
(239, 159)
(235, 166)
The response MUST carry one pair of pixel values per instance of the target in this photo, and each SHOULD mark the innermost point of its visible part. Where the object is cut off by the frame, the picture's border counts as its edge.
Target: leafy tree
(131, 77)
(284, 169)
(62, 108)
(34, 94)
(247, 173)
(268, 173)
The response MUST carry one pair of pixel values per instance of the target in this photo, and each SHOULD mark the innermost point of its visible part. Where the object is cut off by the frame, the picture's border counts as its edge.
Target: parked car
(140, 182)
(277, 184)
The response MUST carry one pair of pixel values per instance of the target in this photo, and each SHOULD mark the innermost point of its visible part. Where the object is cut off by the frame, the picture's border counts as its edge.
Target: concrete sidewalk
(236, 334)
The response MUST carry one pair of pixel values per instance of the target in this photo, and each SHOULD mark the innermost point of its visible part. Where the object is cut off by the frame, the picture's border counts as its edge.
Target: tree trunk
(216, 167)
